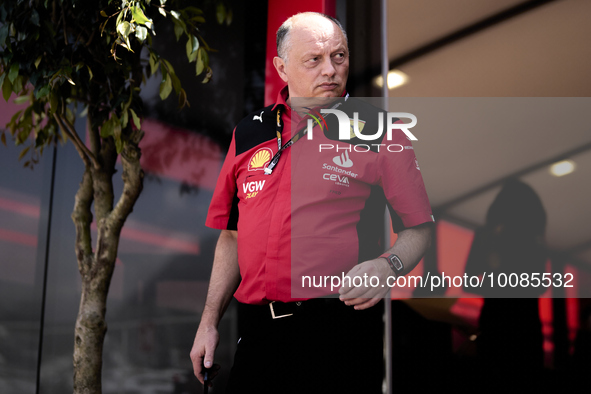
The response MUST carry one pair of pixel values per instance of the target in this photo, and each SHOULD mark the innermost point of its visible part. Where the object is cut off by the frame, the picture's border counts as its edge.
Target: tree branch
(110, 227)
(95, 143)
(82, 218)
(103, 180)
(83, 151)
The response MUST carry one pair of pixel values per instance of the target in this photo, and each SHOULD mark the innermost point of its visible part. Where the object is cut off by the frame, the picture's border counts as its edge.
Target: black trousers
(325, 347)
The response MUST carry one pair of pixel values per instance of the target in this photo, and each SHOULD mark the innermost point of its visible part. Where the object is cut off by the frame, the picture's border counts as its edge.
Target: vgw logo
(251, 189)
(346, 125)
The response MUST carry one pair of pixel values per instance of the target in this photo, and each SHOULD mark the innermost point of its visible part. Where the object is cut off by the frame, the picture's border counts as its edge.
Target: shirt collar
(282, 99)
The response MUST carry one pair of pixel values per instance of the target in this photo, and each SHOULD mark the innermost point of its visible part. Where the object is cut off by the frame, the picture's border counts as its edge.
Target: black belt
(278, 310)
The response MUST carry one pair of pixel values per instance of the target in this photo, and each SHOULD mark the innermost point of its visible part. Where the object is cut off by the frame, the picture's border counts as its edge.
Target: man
(298, 344)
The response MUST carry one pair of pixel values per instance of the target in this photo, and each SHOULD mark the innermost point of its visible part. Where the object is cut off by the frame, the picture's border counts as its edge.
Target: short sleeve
(223, 209)
(401, 179)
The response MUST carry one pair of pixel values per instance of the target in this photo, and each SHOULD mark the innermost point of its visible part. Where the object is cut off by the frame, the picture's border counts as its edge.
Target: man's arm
(225, 278)
(410, 246)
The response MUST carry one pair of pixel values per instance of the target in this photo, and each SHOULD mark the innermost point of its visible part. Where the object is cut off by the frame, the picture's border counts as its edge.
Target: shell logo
(260, 159)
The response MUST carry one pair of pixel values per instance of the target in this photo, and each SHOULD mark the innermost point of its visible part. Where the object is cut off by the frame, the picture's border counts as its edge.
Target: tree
(61, 55)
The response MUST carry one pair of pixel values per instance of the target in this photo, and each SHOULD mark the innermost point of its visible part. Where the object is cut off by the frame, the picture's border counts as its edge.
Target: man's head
(313, 55)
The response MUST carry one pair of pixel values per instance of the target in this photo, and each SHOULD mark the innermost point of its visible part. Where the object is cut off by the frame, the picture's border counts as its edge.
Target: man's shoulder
(256, 128)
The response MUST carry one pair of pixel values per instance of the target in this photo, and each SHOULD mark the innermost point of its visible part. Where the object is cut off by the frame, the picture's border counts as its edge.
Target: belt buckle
(273, 312)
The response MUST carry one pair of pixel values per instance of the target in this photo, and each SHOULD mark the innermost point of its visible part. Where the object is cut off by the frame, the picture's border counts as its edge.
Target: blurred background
(436, 48)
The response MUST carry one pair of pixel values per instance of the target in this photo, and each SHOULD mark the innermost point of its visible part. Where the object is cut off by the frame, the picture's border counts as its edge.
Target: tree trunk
(97, 266)
(90, 334)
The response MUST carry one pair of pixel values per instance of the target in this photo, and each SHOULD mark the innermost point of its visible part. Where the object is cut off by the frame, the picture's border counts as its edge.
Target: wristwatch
(394, 262)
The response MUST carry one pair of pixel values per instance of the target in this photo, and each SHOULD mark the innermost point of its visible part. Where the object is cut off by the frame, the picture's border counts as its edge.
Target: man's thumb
(208, 359)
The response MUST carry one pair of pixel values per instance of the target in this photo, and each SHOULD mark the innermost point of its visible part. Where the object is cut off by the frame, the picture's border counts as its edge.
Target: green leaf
(200, 66)
(123, 29)
(70, 115)
(194, 10)
(107, 129)
(178, 30)
(138, 15)
(104, 14)
(176, 83)
(38, 61)
(141, 33)
(3, 34)
(189, 46)
(193, 56)
(153, 65)
(118, 146)
(24, 152)
(229, 18)
(22, 99)
(15, 117)
(44, 91)
(136, 119)
(182, 99)
(166, 87)
(161, 10)
(116, 126)
(53, 103)
(176, 14)
(221, 13)
(208, 75)
(205, 56)
(13, 73)
(198, 19)
(34, 17)
(169, 67)
(117, 132)
(6, 89)
(89, 73)
(17, 86)
(119, 18)
(124, 119)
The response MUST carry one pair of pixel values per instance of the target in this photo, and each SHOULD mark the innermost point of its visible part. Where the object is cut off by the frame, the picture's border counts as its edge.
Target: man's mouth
(328, 85)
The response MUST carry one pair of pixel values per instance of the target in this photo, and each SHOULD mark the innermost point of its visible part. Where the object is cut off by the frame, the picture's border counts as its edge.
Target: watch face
(396, 261)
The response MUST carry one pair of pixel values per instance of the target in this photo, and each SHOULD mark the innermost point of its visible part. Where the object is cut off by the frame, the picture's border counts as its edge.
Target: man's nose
(328, 68)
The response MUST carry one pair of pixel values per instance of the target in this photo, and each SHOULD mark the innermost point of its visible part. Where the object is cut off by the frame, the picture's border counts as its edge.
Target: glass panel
(24, 197)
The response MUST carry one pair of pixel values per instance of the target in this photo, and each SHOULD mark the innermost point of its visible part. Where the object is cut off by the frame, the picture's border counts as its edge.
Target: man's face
(317, 59)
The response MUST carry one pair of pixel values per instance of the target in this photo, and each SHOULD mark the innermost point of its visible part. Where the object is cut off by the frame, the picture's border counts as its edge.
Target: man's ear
(280, 67)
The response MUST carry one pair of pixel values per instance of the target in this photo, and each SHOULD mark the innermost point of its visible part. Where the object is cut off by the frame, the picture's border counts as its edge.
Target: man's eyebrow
(312, 53)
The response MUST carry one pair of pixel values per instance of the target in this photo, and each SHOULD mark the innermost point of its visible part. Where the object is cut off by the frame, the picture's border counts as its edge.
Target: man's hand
(225, 277)
(206, 341)
(410, 246)
(365, 296)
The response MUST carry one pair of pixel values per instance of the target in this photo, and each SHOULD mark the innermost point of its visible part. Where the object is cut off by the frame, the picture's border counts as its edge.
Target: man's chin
(332, 93)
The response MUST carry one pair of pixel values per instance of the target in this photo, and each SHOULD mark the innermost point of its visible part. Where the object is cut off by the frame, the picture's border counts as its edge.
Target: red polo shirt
(315, 208)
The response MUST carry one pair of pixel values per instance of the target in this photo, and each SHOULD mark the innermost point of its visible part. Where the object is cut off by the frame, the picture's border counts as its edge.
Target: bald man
(296, 345)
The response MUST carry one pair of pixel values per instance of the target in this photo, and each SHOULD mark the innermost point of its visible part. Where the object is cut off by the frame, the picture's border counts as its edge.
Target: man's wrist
(394, 262)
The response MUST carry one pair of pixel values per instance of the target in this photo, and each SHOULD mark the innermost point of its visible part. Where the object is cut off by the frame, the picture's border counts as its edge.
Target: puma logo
(259, 117)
